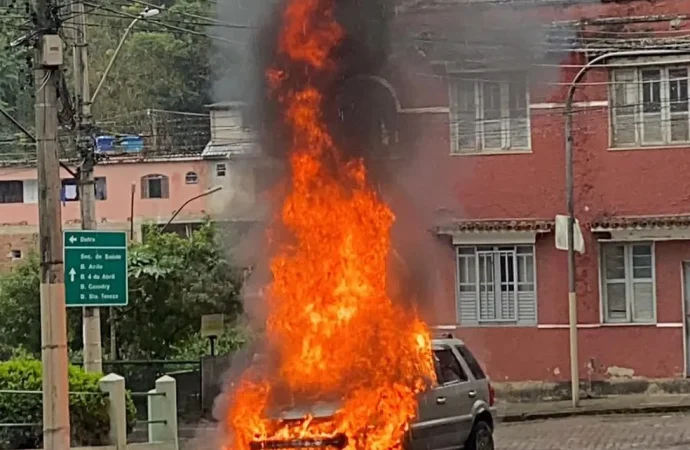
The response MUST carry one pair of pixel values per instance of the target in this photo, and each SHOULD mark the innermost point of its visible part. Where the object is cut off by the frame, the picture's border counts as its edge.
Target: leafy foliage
(15, 81)
(88, 406)
(173, 281)
(20, 322)
(195, 346)
(158, 67)
(165, 62)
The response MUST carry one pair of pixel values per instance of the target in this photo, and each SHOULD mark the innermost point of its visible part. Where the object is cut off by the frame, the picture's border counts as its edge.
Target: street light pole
(203, 194)
(143, 15)
(572, 296)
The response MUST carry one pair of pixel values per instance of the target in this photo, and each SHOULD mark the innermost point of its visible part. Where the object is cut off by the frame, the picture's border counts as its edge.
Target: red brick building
(485, 113)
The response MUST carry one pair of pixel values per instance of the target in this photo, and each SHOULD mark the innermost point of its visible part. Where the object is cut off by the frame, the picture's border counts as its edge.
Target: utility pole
(93, 359)
(570, 196)
(47, 61)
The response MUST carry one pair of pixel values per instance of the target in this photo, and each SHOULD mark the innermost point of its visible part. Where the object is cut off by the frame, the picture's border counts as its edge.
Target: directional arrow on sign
(72, 239)
(72, 273)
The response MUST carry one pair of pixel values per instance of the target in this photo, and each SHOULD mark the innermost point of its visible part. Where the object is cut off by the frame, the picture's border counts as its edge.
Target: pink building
(488, 127)
(134, 190)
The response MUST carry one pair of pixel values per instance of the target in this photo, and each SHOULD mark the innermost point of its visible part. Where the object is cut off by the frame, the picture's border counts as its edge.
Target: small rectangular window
(627, 291)
(678, 98)
(11, 192)
(154, 186)
(650, 106)
(100, 188)
(496, 284)
(70, 190)
(220, 170)
(489, 112)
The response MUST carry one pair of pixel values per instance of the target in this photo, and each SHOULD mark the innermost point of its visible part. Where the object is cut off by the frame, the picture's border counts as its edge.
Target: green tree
(15, 81)
(20, 321)
(195, 346)
(173, 281)
(158, 67)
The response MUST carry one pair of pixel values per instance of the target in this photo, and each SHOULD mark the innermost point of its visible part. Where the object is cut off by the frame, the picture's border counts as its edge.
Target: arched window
(154, 186)
(191, 178)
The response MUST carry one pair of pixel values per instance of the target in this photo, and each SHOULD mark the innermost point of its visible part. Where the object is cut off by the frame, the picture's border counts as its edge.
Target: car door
(443, 413)
(472, 393)
(480, 393)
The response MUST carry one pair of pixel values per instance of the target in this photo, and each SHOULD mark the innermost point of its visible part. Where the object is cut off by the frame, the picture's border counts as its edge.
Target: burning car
(455, 412)
(352, 364)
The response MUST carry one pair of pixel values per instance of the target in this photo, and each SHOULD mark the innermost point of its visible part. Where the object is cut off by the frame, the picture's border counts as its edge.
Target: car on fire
(457, 412)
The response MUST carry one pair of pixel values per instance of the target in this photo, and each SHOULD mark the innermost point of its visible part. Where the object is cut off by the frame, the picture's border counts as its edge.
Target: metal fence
(31, 432)
(141, 375)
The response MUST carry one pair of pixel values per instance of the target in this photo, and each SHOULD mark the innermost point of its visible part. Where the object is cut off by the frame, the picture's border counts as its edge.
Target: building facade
(148, 190)
(137, 189)
(489, 139)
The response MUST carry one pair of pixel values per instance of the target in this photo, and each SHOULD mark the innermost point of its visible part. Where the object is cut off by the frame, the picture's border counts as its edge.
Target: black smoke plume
(355, 109)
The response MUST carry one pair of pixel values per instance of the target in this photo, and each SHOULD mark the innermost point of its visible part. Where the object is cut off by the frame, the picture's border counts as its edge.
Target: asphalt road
(658, 432)
(663, 431)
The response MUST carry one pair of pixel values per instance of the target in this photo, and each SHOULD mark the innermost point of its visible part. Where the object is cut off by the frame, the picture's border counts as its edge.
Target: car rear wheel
(481, 437)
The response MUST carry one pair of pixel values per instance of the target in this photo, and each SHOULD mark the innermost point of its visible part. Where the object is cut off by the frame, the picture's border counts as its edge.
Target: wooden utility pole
(93, 359)
(47, 62)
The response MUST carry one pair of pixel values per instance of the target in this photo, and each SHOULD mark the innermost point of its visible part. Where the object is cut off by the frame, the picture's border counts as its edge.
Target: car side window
(471, 361)
(448, 369)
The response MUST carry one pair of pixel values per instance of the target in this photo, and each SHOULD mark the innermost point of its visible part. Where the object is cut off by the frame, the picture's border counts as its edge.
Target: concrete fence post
(114, 386)
(163, 407)
(157, 429)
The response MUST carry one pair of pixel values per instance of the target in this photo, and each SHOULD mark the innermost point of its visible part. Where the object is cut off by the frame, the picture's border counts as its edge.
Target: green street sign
(95, 268)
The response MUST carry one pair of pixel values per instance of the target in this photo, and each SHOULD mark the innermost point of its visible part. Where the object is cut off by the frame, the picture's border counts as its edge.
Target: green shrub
(89, 419)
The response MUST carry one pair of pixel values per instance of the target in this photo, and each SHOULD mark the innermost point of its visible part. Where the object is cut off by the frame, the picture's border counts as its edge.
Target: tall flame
(335, 332)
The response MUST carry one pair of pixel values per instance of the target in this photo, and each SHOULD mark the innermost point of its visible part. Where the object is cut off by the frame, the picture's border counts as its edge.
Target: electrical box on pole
(51, 50)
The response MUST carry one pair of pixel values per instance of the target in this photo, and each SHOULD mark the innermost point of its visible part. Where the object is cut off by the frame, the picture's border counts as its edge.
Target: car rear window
(471, 361)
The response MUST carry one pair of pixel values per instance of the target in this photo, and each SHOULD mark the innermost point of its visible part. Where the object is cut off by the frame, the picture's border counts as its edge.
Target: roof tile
(464, 226)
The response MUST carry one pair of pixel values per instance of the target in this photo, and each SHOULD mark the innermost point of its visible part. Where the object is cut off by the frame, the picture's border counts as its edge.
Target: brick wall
(21, 242)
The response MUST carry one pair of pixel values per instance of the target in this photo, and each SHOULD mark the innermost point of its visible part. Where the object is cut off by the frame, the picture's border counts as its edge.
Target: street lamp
(570, 193)
(145, 14)
(203, 194)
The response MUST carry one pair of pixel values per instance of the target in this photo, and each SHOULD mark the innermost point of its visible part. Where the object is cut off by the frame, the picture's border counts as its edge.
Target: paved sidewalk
(613, 432)
(624, 404)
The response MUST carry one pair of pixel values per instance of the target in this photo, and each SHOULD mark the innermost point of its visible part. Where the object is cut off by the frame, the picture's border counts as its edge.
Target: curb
(630, 410)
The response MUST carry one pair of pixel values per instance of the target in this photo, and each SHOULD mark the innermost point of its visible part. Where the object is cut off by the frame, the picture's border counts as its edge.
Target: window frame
(100, 189)
(146, 188)
(188, 176)
(458, 361)
(63, 189)
(496, 250)
(477, 371)
(20, 192)
(629, 280)
(666, 113)
(505, 119)
(100, 186)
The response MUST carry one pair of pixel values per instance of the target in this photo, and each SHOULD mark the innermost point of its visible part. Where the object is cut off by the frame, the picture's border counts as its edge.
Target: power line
(164, 24)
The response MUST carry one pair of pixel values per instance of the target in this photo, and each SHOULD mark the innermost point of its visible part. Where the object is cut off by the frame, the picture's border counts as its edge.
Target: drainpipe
(572, 296)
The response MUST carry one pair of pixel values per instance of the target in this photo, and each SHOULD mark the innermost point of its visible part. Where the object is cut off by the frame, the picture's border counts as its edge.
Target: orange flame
(333, 328)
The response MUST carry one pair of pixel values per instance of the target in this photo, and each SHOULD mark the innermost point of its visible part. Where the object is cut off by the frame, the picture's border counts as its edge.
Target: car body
(457, 412)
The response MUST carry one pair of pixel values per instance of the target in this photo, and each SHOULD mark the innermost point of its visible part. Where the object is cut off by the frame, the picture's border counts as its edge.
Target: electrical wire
(165, 25)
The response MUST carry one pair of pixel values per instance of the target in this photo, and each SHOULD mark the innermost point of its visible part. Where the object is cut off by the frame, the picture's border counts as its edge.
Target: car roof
(439, 341)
